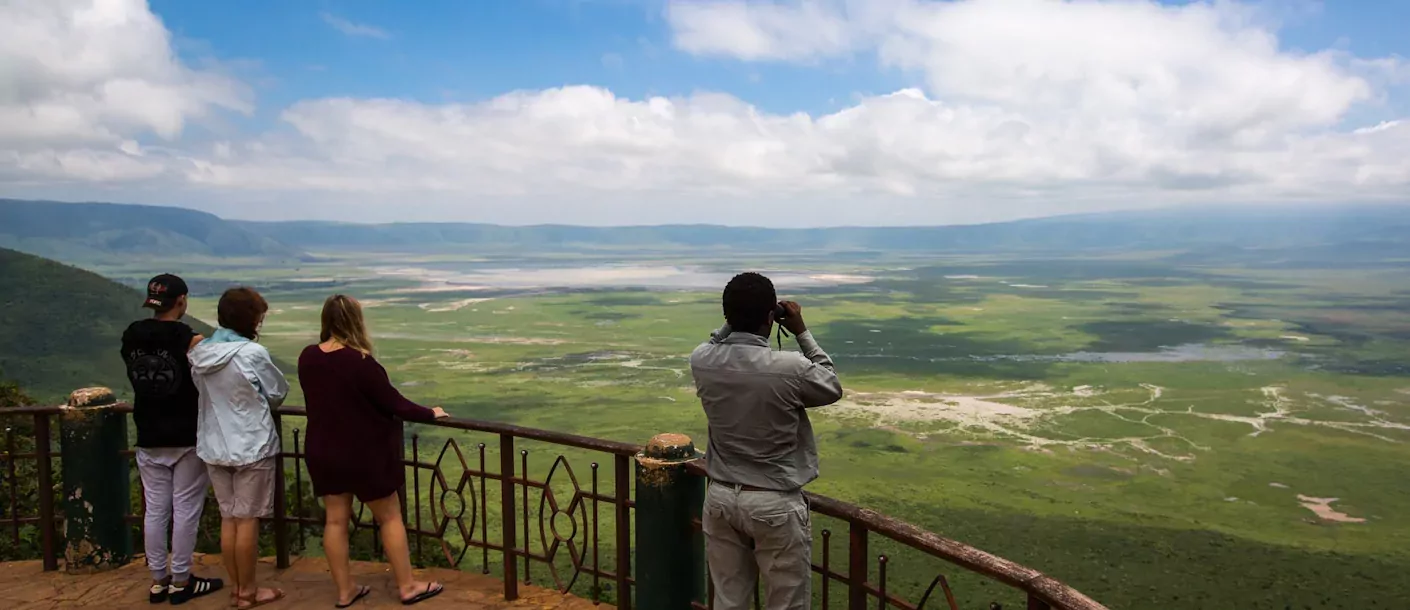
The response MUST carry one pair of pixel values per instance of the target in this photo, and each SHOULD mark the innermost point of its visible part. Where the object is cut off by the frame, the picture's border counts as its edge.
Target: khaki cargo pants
(753, 533)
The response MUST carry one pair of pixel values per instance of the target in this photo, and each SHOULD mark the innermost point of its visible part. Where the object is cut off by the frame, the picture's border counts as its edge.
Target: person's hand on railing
(440, 413)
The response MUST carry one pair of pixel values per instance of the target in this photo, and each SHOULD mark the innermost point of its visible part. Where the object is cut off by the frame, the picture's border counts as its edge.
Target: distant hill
(96, 231)
(1167, 229)
(80, 232)
(60, 327)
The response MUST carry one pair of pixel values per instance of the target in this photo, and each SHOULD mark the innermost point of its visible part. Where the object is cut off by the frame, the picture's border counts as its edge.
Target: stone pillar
(96, 500)
(670, 552)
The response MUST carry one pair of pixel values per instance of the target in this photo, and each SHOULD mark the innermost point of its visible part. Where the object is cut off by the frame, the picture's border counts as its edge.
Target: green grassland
(1016, 405)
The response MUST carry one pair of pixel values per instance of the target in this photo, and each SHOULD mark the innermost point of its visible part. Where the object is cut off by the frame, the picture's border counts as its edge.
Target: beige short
(244, 492)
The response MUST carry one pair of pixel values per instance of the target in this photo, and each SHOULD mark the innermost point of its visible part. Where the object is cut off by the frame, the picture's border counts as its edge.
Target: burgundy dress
(354, 440)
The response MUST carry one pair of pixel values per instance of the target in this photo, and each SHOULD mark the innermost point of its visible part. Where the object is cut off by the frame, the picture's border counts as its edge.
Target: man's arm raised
(819, 384)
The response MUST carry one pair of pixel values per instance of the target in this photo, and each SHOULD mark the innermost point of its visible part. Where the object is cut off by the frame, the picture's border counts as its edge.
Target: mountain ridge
(1176, 228)
(83, 231)
(91, 230)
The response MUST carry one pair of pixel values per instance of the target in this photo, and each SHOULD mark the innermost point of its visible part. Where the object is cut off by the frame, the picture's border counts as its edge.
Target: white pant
(174, 484)
(748, 533)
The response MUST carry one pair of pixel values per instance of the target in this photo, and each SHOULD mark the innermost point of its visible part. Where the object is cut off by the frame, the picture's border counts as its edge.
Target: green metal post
(92, 437)
(670, 552)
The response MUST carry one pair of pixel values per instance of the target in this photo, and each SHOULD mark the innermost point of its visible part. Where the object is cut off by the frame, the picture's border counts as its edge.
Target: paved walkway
(25, 586)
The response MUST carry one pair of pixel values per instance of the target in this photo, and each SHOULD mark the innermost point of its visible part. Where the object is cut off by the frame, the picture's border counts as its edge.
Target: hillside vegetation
(60, 327)
(93, 231)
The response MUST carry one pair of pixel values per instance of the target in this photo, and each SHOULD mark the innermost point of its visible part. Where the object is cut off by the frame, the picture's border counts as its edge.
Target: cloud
(1203, 69)
(760, 30)
(1083, 100)
(1195, 95)
(353, 29)
(77, 79)
(1211, 68)
(577, 140)
(1018, 106)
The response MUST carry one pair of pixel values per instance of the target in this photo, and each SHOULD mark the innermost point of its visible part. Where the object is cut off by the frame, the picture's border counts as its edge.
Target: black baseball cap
(163, 291)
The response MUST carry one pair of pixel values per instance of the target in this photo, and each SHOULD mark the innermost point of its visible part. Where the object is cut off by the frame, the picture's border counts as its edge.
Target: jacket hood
(209, 356)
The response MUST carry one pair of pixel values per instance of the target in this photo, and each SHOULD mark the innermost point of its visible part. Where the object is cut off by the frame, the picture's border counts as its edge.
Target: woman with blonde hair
(355, 445)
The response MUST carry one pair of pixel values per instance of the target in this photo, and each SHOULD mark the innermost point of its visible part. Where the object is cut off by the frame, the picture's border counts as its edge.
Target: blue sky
(912, 110)
(439, 50)
(449, 50)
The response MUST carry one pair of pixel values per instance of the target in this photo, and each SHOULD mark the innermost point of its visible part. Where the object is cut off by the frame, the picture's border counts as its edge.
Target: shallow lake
(597, 276)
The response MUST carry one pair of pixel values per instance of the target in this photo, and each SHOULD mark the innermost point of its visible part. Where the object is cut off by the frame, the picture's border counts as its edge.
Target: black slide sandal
(362, 592)
(432, 590)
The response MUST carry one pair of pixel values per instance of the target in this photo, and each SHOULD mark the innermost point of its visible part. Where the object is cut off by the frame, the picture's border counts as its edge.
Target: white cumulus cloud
(1017, 106)
(78, 78)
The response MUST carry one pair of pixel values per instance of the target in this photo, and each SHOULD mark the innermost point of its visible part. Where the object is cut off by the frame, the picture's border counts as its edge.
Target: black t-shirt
(165, 405)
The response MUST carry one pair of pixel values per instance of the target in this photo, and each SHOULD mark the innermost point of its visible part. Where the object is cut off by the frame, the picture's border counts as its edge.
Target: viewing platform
(24, 585)
(505, 516)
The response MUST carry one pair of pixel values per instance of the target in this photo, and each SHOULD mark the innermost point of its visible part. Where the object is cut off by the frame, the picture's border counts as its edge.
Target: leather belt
(741, 487)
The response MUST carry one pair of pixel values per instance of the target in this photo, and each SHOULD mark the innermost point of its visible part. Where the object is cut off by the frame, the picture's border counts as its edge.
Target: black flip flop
(362, 592)
(425, 595)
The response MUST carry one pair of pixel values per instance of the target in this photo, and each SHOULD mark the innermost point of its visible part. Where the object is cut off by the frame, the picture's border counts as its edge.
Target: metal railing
(441, 492)
(449, 478)
(41, 453)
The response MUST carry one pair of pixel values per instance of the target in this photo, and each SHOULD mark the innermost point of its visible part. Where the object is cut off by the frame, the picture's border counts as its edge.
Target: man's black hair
(748, 300)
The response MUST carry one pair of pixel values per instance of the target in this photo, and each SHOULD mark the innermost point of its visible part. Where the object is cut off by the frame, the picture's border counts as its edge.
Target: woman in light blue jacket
(235, 434)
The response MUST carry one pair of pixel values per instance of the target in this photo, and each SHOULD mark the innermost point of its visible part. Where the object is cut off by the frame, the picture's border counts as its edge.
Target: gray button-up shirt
(755, 398)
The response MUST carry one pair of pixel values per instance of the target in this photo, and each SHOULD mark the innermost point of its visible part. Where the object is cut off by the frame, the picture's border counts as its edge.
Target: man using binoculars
(761, 450)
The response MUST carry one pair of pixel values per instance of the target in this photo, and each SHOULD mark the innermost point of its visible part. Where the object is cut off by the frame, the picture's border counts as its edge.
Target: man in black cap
(174, 480)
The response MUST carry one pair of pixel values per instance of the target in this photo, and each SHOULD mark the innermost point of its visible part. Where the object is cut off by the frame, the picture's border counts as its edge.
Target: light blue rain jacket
(239, 384)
